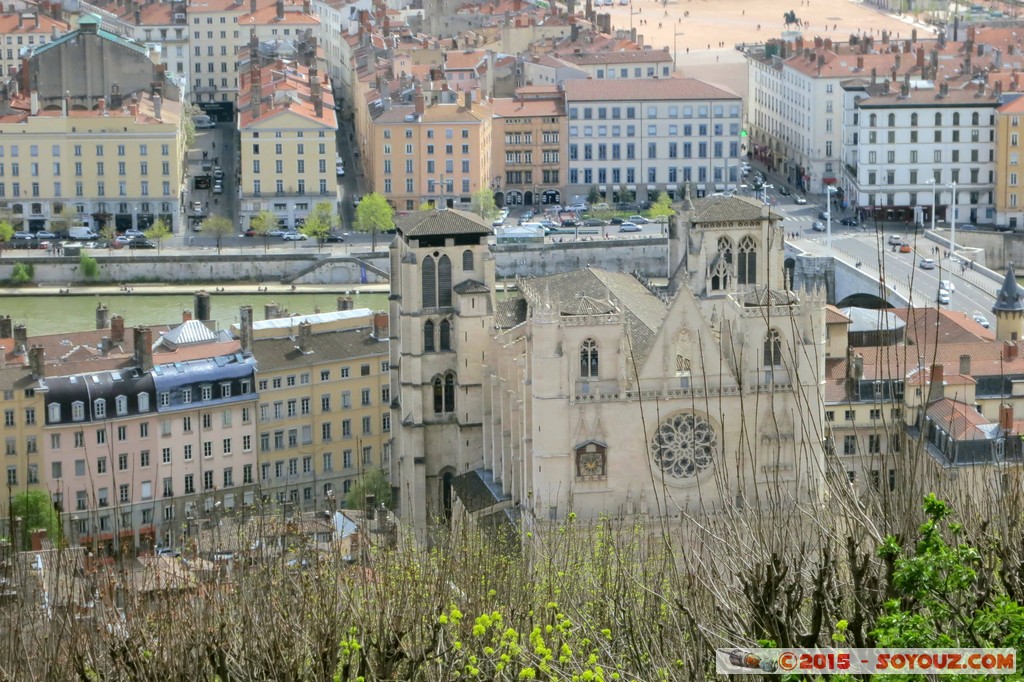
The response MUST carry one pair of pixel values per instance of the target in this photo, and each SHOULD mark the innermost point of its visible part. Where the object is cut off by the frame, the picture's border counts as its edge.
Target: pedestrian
(214, 144)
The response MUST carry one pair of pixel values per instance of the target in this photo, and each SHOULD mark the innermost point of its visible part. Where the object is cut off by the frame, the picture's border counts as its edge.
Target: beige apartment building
(529, 130)
(220, 28)
(21, 32)
(426, 152)
(324, 403)
(287, 126)
(22, 406)
(1009, 174)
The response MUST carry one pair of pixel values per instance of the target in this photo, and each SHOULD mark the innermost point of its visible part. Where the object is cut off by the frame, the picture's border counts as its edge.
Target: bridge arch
(864, 300)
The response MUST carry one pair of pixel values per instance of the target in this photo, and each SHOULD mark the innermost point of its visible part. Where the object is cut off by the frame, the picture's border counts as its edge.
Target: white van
(82, 232)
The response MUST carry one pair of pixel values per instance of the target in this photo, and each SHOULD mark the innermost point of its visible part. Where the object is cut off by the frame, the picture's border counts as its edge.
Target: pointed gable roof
(1009, 299)
(447, 222)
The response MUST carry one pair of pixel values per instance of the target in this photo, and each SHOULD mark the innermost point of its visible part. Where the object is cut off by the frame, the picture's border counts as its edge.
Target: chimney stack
(860, 62)
(37, 361)
(1006, 417)
(104, 345)
(305, 337)
(965, 365)
(380, 326)
(252, 7)
(34, 103)
(7, 325)
(280, 10)
(186, 315)
(117, 329)
(419, 104)
(344, 303)
(920, 58)
(102, 316)
(937, 388)
(158, 107)
(144, 348)
(245, 328)
(201, 305)
(316, 90)
(20, 339)
(271, 311)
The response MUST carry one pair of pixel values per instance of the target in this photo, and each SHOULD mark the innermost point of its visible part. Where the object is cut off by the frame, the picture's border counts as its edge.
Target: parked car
(571, 223)
(616, 221)
(203, 121)
(600, 207)
(895, 240)
(249, 233)
(630, 227)
(121, 239)
(948, 285)
(334, 238)
(132, 232)
(851, 222)
(799, 200)
(818, 226)
(926, 264)
(218, 188)
(594, 222)
(578, 208)
(278, 232)
(141, 244)
(943, 296)
(498, 222)
(638, 219)
(218, 174)
(356, 199)
(197, 207)
(823, 215)
(981, 319)
(45, 234)
(548, 223)
(294, 237)
(24, 235)
(784, 191)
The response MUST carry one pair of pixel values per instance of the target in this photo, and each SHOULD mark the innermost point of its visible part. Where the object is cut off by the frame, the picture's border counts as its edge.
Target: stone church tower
(442, 301)
(1009, 309)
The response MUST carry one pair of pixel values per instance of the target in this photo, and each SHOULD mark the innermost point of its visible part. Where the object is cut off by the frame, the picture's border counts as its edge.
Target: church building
(596, 392)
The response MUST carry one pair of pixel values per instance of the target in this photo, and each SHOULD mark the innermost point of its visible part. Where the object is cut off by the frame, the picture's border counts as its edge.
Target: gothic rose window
(685, 445)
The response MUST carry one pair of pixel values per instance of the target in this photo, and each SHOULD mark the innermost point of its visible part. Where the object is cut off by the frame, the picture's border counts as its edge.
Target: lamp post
(952, 225)
(675, 49)
(828, 217)
(934, 187)
(631, 13)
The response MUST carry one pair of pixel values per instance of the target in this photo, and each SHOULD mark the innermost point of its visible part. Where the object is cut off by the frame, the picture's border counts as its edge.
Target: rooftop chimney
(7, 326)
(936, 390)
(860, 62)
(920, 58)
(344, 303)
(1010, 349)
(1006, 417)
(144, 348)
(20, 339)
(965, 365)
(418, 103)
(897, 62)
(202, 305)
(34, 103)
(37, 361)
(467, 99)
(280, 10)
(305, 337)
(102, 316)
(158, 107)
(380, 326)
(245, 328)
(271, 311)
(117, 329)
(252, 6)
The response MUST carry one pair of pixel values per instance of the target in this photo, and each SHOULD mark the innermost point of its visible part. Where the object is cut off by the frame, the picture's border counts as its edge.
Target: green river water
(54, 314)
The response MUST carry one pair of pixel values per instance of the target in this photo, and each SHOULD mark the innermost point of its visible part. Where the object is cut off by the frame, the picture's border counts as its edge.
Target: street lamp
(675, 49)
(829, 190)
(631, 13)
(952, 225)
(934, 186)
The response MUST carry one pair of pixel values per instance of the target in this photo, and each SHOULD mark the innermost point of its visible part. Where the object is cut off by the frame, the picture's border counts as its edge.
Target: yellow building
(1009, 173)
(220, 28)
(324, 408)
(430, 152)
(528, 136)
(22, 406)
(287, 126)
(21, 31)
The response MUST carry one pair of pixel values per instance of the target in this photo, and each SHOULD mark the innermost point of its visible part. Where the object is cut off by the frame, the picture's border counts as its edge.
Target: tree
(373, 482)
(22, 273)
(662, 208)
(88, 265)
(626, 195)
(6, 231)
(483, 204)
(426, 206)
(263, 223)
(374, 214)
(320, 223)
(219, 227)
(36, 513)
(62, 221)
(158, 232)
(188, 126)
(593, 195)
(108, 233)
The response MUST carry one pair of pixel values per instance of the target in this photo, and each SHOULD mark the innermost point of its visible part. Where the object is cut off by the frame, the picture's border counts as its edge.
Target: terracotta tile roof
(267, 16)
(833, 316)
(723, 209)
(9, 23)
(461, 61)
(960, 420)
(643, 89)
(505, 106)
(284, 87)
(447, 222)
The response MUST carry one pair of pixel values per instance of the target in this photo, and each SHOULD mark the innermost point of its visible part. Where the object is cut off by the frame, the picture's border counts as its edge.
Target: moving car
(279, 232)
(784, 191)
(197, 207)
(601, 207)
(24, 235)
(81, 232)
(498, 222)
(630, 227)
(132, 232)
(339, 168)
(203, 121)
(981, 319)
(141, 244)
(218, 174)
(356, 199)
(818, 226)
(895, 240)
(294, 237)
(218, 188)
(578, 208)
(948, 285)
(799, 200)
(926, 264)
(823, 215)
(638, 219)
(905, 248)
(943, 296)
(334, 238)
(594, 222)
(121, 239)
(852, 222)
(45, 234)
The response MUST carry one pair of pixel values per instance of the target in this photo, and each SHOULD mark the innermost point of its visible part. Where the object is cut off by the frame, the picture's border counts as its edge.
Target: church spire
(1009, 309)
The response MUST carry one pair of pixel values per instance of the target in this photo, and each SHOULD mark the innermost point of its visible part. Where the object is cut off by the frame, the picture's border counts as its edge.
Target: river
(55, 314)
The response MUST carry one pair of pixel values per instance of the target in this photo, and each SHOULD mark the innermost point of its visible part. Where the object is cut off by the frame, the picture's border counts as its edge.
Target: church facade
(594, 392)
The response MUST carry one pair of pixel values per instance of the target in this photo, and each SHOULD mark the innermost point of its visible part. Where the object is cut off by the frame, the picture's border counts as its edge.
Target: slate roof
(509, 312)
(477, 490)
(723, 209)
(283, 353)
(568, 293)
(444, 222)
(1009, 299)
(471, 286)
(90, 19)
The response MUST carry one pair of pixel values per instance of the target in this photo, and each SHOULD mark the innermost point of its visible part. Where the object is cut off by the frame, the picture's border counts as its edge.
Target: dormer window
(121, 405)
(99, 408)
(207, 392)
(53, 412)
(77, 411)
(186, 395)
(143, 400)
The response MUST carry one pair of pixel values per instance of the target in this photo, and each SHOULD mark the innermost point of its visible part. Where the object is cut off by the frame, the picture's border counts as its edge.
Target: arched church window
(773, 348)
(746, 266)
(428, 336)
(589, 365)
(444, 282)
(429, 283)
(449, 392)
(446, 335)
(467, 260)
(438, 387)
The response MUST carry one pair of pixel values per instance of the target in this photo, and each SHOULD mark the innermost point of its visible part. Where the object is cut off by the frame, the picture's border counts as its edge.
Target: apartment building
(909, 146)
(1009, 176)
(651, 134)
(220, 28)
(21, 32)
(106, 145)
(22, 407)
(287, 126)
(529, 133)
(613, 63)
(437, 152)
(324, 403)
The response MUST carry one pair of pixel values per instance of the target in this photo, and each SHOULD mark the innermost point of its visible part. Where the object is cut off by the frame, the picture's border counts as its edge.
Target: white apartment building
(904, 142)
(651, 134)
